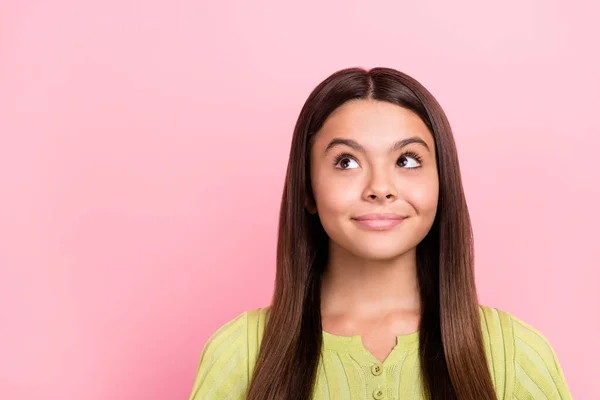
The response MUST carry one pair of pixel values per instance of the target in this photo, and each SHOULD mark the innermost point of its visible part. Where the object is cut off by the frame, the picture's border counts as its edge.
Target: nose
(381, 187)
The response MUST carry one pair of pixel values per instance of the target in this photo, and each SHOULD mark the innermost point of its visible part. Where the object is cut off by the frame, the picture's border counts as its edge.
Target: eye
(345, 161)
(409, 160)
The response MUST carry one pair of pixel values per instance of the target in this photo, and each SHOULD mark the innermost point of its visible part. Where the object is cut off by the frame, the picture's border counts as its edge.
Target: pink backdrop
(143, 148)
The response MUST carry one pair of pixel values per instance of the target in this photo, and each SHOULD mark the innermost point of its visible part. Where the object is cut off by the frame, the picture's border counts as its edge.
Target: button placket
(378, 394)
(377, 370)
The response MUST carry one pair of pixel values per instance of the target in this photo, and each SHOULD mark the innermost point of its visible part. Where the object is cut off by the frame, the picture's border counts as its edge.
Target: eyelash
(406, 153)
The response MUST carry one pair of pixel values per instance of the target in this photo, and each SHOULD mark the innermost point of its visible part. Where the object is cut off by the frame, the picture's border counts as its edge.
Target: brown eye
(409, 161)
(345, 161)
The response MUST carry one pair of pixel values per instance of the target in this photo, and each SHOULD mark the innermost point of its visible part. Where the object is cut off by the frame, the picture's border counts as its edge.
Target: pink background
(143, 148)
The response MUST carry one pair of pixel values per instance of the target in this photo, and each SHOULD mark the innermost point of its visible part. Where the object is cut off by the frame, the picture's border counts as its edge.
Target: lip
(379, 222)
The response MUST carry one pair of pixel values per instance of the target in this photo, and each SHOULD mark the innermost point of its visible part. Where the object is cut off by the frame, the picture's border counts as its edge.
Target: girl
(375, 293)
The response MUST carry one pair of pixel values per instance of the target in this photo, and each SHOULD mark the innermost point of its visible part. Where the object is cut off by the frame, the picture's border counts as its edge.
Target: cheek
(335, 196)
(333, 202)
(423, 194)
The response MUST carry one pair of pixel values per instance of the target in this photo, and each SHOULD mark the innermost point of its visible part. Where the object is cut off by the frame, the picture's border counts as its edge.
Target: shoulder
(228, 357)
(523, 355)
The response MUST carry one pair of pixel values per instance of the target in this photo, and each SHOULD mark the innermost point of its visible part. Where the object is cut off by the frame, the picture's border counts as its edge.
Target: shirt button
(378, 394)
(376, 369)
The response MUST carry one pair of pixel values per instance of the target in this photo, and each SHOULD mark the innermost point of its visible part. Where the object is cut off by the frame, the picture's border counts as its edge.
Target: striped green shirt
(522, 363)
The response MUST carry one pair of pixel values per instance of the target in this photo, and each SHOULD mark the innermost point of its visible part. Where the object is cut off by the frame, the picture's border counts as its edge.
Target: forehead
(373, 123)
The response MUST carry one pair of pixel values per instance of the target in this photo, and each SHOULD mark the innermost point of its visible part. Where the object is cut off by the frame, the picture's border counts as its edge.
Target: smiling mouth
(379, 222)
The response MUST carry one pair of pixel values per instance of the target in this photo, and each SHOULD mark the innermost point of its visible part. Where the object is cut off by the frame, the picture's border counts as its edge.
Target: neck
(352, 285)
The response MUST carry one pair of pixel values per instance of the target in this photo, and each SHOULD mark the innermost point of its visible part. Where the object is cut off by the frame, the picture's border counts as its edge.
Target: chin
(379, 253)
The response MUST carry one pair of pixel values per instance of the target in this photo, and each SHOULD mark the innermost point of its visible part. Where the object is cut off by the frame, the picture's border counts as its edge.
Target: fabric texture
(522, 363)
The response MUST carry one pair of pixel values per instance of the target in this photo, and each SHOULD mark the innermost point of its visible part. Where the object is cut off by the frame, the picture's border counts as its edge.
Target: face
(374, 179)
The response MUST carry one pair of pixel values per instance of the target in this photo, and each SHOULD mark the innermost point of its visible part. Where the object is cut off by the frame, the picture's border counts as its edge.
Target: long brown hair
(451, 350)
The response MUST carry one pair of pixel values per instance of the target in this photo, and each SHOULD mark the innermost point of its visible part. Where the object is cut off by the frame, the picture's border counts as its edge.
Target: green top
(522, 362)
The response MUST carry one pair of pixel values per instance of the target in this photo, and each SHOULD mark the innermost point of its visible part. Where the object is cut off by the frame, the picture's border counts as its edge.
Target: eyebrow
(358, 147)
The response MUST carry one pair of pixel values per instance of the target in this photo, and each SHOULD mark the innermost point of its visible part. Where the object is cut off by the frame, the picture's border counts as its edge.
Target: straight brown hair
(451, 349)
